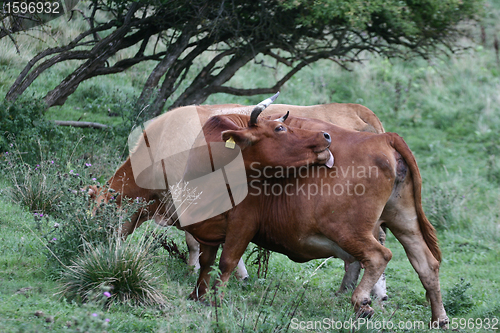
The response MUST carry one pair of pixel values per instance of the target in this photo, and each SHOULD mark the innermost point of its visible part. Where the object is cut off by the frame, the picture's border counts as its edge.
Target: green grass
(448, 111)
(21, 264)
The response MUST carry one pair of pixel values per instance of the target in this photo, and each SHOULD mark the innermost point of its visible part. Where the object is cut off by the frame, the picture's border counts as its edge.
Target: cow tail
(427, 229)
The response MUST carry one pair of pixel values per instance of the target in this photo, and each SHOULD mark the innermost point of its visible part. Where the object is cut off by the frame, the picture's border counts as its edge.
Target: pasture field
(446, 108)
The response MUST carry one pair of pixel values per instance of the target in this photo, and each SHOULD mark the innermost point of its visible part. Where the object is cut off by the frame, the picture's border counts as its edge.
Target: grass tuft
(34, 188)
(123, 267)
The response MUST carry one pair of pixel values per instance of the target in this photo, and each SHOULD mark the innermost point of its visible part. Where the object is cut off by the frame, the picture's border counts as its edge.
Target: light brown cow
(386, 186)
(351, 116)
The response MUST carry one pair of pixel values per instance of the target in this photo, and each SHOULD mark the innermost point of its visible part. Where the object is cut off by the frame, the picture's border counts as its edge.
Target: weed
(456, 300)
(262, 257)
(169, 245)
(80, 226)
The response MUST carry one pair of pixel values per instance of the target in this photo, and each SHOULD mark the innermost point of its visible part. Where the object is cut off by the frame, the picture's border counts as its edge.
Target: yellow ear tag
(230, 143)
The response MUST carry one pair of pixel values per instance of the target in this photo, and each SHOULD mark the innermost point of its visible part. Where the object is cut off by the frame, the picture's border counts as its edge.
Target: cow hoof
(444, 324)
(365, 311)
(441, 323)
(200, 300)
(193, 296)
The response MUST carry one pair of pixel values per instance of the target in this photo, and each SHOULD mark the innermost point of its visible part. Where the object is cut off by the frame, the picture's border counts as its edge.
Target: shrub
(78, 226)
(23, 121)
(124, 267)
(456, 300)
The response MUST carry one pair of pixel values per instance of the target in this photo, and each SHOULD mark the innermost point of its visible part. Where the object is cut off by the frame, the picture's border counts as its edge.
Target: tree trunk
(80, 124)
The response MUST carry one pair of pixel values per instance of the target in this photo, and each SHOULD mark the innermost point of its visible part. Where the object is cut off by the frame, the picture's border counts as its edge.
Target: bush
(23, 122)
(456, 300)
(124, 267)
(41, 188)
(78, 226)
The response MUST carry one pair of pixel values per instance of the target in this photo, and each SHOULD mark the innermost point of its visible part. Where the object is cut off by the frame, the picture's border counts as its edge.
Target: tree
(294, 33)
(18, 16)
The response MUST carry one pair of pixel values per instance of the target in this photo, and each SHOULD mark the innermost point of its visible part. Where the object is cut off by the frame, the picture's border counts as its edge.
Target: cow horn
(260, 107)
(282, 119)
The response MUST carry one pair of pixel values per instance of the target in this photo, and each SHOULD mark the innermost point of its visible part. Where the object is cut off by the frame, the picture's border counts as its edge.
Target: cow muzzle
(326, 157)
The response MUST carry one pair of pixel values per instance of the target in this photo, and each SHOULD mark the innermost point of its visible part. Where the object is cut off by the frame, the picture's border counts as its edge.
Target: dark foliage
(177, 35)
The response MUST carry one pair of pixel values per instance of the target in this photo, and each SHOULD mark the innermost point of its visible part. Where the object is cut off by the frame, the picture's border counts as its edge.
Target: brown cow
(352, 116)
(340, 224)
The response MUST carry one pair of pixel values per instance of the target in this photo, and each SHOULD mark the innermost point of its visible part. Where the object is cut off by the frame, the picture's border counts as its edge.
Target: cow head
(272, 143)
(268, 142)
(100, 195)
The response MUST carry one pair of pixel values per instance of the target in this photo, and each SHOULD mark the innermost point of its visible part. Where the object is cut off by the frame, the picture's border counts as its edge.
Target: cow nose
(327, 137)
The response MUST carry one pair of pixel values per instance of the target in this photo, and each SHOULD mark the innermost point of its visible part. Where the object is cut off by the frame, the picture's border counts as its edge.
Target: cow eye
(280, 128)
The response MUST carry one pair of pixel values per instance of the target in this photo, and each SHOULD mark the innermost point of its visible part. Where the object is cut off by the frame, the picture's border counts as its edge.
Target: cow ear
(242, 138)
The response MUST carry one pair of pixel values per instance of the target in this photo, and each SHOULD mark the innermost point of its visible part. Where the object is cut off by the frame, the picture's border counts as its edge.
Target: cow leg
(241, 271)
(229, 259)
(350, 280)
(427, 267)
(207, 259)
(374, 257)
(379, 291)
(351, 276)
(234, 247)
(194, 251)
(353, 270)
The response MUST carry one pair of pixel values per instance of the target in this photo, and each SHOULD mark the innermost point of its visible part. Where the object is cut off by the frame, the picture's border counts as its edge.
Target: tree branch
(100, 53)
(19, 86)
(279, 58)
(202, 86)
(173, 52)
(169, 87)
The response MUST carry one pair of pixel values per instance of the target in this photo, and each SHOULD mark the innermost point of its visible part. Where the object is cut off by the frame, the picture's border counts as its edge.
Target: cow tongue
(326, 155)
(329, 163)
